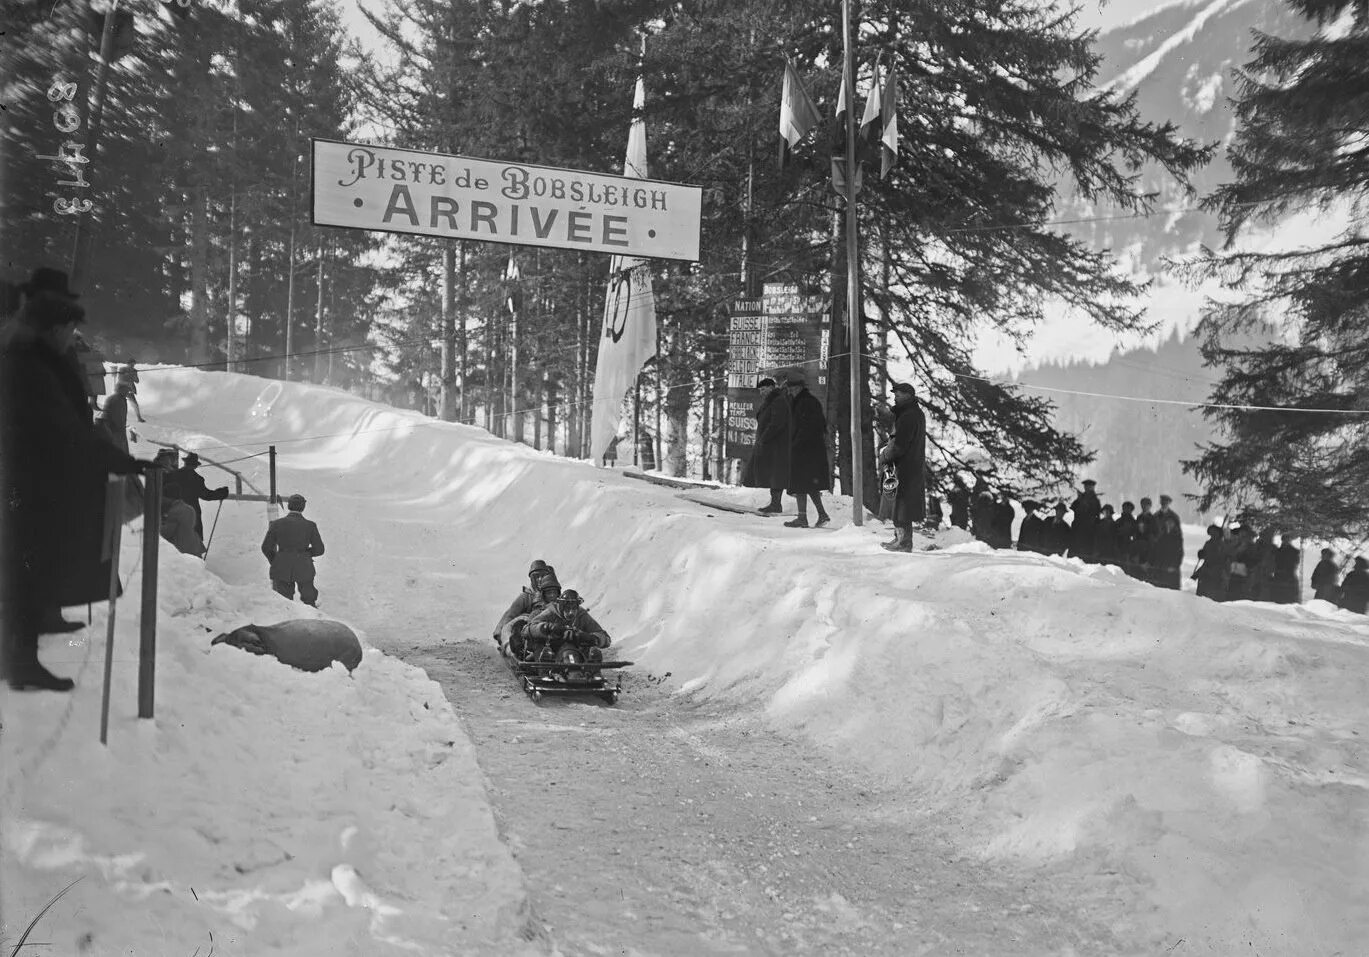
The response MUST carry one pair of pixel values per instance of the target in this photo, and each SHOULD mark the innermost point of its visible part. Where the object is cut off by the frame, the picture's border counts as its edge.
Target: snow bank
(262, 811)
(1209, 760)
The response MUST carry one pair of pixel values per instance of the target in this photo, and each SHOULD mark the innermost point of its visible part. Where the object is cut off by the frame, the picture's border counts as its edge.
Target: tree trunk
(199, 276)
(448, 407)
(677, 399)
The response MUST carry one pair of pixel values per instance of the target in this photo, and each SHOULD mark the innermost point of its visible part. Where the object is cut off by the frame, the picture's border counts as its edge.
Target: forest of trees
(201, 245)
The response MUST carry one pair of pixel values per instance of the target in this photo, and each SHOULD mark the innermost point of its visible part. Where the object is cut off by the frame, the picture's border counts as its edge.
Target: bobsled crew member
(291, 545)
(564, 615)
(541, 589)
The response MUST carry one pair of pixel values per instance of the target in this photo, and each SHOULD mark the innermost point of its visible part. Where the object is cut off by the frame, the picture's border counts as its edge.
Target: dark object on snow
(303, 643)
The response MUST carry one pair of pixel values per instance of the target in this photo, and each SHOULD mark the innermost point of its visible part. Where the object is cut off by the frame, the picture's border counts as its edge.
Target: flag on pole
(888, 140)
(798, 115)
(839, 144)
(870, 119)
(512, 275)
(629, 336)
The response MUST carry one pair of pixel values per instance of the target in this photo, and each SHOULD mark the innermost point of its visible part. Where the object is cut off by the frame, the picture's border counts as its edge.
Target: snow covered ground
(1060, 715)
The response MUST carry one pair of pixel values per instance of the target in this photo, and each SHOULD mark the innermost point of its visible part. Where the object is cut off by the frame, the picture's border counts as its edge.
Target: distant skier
(541, 590)
(291, 545)
(564, 618)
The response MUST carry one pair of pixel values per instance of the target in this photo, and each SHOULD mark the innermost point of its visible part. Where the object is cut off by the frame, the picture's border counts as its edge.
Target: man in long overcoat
(1326, 577)
(768, 466)
(1086, 509)
(291, 545)
(53, 465)
(810, 474)
(907, 452)
(1354, 591)
(194, 489)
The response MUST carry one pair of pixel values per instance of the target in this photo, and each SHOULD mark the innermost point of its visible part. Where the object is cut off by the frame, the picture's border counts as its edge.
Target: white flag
(629, 335)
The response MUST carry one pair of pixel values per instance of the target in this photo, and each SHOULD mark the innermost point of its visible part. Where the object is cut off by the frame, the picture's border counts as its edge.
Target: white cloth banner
(629, 333)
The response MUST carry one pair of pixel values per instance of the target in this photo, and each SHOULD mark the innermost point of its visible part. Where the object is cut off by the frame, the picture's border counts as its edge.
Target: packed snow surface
(1058, 714)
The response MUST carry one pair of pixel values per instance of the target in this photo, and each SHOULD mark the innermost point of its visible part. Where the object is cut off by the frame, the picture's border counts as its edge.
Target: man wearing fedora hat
(194, 489)
(53, 468)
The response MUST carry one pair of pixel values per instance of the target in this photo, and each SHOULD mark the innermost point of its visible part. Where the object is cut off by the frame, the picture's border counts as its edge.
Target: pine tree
(1291, 341)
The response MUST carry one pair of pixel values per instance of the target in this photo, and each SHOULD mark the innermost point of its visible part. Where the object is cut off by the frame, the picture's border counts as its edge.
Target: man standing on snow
(768, 466)
(194, 488)
(809, 472)
(1168, 552)
(1354, 591)
(291, 545)
(1086, 510)
(907, 452)
(1325, 577)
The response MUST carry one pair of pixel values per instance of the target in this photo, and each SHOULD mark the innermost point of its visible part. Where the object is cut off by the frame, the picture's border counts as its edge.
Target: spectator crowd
(1234, 564)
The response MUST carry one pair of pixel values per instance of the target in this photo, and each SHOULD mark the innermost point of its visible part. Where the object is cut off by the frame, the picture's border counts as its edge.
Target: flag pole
(852, 275)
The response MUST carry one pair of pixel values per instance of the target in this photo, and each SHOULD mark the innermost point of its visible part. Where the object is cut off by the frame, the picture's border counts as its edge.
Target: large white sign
(459, 197)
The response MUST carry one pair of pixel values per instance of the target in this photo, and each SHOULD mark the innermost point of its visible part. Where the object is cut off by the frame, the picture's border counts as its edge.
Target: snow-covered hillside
(1208, 761)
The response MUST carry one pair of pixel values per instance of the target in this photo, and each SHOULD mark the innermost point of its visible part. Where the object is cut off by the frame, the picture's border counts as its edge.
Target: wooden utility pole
(854, 337)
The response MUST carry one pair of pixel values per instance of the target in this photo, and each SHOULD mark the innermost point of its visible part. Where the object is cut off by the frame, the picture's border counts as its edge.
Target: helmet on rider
(569, 601)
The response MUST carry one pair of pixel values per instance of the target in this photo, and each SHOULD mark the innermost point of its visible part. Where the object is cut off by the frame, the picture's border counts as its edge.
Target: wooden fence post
(147, 624)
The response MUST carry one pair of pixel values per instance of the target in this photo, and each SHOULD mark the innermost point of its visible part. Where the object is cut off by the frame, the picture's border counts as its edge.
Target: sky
(1199, 765)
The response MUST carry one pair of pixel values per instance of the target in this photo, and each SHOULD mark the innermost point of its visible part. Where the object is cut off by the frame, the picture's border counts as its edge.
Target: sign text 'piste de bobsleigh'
(436, 194)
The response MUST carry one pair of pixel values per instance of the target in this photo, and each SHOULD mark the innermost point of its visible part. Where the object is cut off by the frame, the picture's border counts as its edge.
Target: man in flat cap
(291, 545)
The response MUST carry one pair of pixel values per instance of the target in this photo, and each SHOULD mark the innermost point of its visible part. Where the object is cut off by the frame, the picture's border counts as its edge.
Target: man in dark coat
(53, 467)
(1105, 538)
(1213, 571)
(1125, 533)
(1354, 591)
(959, 500)
(178, 521)
(1326, 577)
(809, 472)
(1147, 531)
(1057, 534)
(194, 489)
(1031, 536)
(1086, 510)
(768, 466)
(542, 589)
(113, 417)
(907, 452)
(291, 545)
(1284, 587)
(1167, 554)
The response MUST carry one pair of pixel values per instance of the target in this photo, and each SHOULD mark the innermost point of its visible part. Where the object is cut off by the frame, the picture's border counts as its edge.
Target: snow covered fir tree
(485, 295)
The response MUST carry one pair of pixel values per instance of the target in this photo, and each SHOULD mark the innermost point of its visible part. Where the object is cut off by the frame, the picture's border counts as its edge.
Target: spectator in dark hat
(194, 489)
(1213, 571)
(1105, 537)
(291, 545)
(810, 474)
(1354, 591)
(907, 453)
(768, 466)
(1086, 510)
(1125, 533)
(1326, 577)
(1284, 587)
(113, 417)
(128, 375)
(53, 465)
